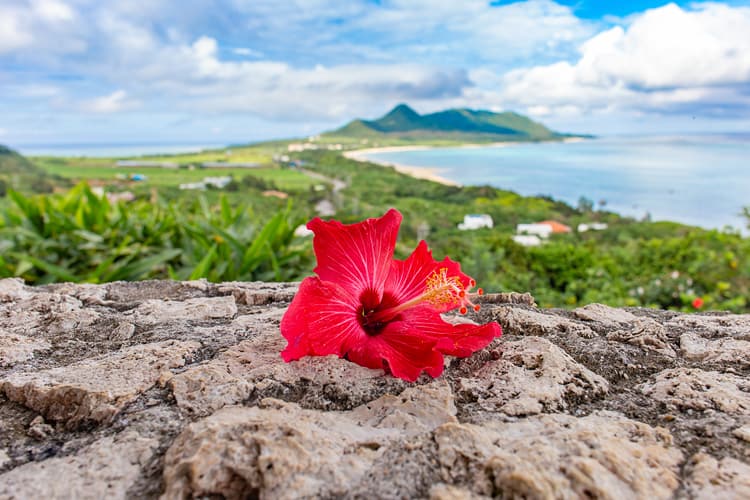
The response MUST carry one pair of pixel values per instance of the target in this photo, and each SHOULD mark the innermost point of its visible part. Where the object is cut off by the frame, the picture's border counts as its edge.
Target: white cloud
(247, 52)
(36, 28)
(13, 35)
(327, 60)
(668, 60)
(112, 103)
(52, 11)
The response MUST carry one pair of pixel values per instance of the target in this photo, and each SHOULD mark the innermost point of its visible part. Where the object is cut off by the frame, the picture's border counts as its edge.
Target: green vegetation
(16, 172)
(632, 263)
(238, 233)
(453, 125)
(83, 237)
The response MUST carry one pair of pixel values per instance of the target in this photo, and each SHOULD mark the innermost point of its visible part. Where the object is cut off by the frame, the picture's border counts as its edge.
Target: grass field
(103, 170)
(255, 154)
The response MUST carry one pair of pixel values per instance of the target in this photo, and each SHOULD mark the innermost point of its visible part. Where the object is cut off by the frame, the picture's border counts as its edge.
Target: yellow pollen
(442, 289)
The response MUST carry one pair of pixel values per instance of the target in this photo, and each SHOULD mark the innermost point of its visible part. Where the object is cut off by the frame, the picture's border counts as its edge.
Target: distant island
(402, 123)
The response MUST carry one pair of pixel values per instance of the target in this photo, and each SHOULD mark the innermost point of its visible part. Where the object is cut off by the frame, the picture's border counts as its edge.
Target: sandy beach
(430, 174)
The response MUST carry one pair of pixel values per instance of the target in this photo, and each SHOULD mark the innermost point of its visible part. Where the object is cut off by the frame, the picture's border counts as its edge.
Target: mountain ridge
(404, 122)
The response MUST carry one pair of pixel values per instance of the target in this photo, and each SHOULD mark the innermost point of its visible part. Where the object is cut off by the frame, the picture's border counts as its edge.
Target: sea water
(698, 180)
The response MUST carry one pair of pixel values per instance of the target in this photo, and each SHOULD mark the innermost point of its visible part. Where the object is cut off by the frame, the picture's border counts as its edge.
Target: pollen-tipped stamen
(441, 290)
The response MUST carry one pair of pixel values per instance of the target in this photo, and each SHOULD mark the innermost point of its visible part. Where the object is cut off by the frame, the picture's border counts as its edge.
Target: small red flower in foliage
(376, 311)
(697, 302)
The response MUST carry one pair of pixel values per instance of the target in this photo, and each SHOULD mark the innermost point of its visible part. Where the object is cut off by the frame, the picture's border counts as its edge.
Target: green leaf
(204, 266)
(58, 272)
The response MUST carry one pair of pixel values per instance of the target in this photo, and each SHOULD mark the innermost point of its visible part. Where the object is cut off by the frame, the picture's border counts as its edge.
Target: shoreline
(429, 173)
(424, 173)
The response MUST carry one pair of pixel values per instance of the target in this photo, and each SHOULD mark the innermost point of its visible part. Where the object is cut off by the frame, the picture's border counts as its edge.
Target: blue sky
(131, 71)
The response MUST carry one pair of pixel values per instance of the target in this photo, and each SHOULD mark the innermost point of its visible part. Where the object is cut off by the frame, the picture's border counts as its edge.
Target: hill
(403, 122)
(18, 173)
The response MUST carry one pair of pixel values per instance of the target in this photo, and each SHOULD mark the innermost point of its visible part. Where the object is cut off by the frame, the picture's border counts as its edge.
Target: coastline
(428, 173)
(425, 173)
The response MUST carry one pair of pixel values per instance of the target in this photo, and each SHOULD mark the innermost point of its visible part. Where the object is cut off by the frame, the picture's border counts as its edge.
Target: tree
(585, 205)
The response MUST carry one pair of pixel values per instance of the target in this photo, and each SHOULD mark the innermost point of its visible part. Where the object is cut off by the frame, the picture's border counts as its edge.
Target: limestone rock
(258, 293)
(605, 315)
(13, 289)
(152, 312)
(103, 380)
(645, 333)
(557, 456)
(256, 365)
(725, 325)
(696, 389)
(444, 491)
(711, 478)
(95, 389)
(724, 350)
(279, 450)
(519, 321)
(533, 375)
(44, 313)
(742, 433)
(105, 469)
(15, 348)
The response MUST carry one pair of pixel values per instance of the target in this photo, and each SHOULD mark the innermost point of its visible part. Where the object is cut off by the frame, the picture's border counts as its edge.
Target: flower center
(442, 291)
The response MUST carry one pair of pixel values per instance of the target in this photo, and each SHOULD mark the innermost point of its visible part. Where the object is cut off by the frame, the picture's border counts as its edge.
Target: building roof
(557, 227)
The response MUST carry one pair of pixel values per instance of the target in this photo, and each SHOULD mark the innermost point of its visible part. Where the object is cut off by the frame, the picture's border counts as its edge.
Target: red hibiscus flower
(376, 311)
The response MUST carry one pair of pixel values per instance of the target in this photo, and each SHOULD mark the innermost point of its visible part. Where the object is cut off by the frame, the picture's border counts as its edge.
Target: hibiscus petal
(321, 320)
(356, 256)
(408, 278)
(460, 340)
(408, 352)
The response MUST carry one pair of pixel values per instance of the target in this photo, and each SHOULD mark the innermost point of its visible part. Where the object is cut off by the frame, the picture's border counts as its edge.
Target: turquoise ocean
(698, 180)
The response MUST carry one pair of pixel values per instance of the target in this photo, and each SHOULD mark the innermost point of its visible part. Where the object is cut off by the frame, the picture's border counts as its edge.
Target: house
(592, 226)
(475, 221)
(527, 240)
(540, 230)
(201, 186)
(557, 227)
(297, 147)
(217, 182)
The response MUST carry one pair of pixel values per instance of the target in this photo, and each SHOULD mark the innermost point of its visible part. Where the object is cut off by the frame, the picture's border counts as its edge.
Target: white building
(540, 230)
(201, 186)
(217, 182)
(297, 147)
(592, 226)
(475, 221)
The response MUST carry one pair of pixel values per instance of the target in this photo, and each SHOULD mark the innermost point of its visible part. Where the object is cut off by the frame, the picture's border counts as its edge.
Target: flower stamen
(441, 291)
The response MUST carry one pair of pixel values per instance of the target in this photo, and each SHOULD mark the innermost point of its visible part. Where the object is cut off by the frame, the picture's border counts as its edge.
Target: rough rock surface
(176, 389)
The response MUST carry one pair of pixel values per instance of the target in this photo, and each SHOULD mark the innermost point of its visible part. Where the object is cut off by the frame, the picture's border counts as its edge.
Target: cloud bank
(324, 61)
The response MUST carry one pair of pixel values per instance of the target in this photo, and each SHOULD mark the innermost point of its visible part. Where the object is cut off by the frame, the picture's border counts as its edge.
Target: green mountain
(18, 173)
(404, 123)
